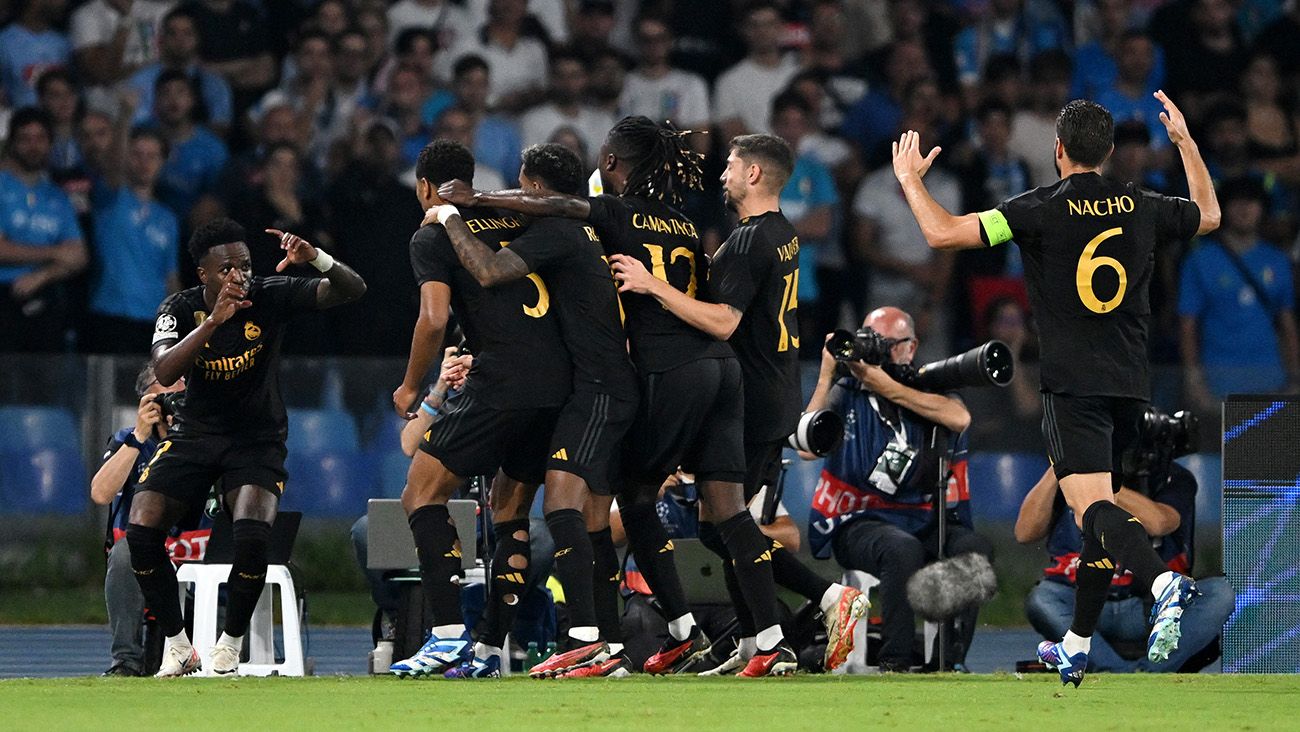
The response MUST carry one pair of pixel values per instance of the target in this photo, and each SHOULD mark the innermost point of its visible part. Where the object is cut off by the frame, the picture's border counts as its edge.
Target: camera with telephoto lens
(988, 365)
(1161, 439)
(818, 432)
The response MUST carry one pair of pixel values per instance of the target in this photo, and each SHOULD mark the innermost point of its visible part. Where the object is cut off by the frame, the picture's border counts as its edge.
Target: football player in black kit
(1088, 245)
(224, 337)
(690, 414)
(567, 255)
(749, 300)
(502, 418)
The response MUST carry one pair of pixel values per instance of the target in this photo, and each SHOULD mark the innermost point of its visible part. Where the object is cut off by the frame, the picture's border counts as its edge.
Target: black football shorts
(588, 438)
(762, 466)
(473, 438)
(1090, 434)
(185, 467)
(692, 417)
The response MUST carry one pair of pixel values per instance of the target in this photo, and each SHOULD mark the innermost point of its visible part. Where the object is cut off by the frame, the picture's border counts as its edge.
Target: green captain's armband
(994, 226)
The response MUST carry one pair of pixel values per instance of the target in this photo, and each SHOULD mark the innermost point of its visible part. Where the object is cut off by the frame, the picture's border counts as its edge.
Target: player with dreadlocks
(691, 412)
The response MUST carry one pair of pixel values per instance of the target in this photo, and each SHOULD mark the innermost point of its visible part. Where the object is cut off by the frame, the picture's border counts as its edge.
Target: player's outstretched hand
(1172, 118)
(631, 274)
(297, 250)
(404, 398)
(230, 300)
(907, 156)
(458, 193)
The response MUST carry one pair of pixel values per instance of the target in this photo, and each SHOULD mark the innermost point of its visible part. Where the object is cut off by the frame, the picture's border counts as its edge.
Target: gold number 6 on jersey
(1088, 266)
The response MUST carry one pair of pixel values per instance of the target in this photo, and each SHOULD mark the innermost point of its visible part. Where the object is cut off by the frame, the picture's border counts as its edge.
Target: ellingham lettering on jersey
(1101, 206)
(788, 251)
(505, 222)
(651, 222)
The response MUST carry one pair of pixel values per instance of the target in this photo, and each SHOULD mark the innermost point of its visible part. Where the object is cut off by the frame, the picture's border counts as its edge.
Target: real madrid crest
(251, 331)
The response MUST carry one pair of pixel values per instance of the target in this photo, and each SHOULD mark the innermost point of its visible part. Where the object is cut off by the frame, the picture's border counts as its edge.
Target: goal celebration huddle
(605, 352)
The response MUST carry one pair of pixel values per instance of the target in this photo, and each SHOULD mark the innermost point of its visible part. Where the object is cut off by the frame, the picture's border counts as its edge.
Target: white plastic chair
(207, 580)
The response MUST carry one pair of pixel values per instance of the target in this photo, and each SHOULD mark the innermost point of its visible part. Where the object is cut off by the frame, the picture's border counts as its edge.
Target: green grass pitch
(1003, 702)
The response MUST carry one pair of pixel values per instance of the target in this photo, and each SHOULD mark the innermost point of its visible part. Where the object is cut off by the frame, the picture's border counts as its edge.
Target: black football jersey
(668, 245)
(571, 260)
(1088, 245)
(233, 387)
(756, 271)
(512, 329)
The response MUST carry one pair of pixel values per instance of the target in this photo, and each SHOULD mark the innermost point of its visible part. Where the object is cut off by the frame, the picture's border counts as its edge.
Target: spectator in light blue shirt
(178, 49)
(30, 46)
(1021, 28)
(197, 155)
(1237, 307)
(40, 241)
(136, 248)
(1128, 96)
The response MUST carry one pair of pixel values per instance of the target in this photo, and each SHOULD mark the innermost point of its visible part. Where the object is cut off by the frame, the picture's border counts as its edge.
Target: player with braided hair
(691, 410)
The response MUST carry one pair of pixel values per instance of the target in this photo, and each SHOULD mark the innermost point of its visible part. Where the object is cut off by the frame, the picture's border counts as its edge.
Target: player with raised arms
(223, 336)
(1088, 245)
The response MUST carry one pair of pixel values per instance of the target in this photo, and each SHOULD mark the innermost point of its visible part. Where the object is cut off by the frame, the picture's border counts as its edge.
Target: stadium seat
(327, 483)
(392, 466)
(999, 482)
(321, 430)
(383, 431)
(38, 428)
(43, 481)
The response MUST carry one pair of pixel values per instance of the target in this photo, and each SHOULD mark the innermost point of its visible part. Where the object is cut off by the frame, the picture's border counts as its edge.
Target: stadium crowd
(131, 122)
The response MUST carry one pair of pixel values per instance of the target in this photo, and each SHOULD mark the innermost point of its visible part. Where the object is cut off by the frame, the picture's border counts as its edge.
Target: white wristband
(323, 261)
(446, 211)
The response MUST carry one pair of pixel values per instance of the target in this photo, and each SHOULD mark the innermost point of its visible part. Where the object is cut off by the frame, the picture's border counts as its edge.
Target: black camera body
(865, 345)
(1161, 439)
(169, 402)
(988, 365)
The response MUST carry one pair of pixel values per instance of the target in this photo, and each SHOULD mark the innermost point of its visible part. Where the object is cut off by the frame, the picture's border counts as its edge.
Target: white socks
(180, 640)
(615, 649)
(484, 651)
(585, 633)
(449, 631)
(1161, 583)
(680, 628)
(830, 598)
(769, 638)
(1075, 644)
(231, 641)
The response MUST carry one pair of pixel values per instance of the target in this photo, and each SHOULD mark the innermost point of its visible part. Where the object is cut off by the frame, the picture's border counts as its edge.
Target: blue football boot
(1166, 614)
(435, 656)
(1071, 668)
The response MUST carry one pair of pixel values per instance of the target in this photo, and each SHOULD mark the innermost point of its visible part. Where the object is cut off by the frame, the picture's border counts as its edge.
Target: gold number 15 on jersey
(789, 302)
(1088, 266)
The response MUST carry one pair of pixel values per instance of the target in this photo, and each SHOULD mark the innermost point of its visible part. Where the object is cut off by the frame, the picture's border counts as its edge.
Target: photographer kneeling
(872, 505)
(1161, 494)
(125, 457)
